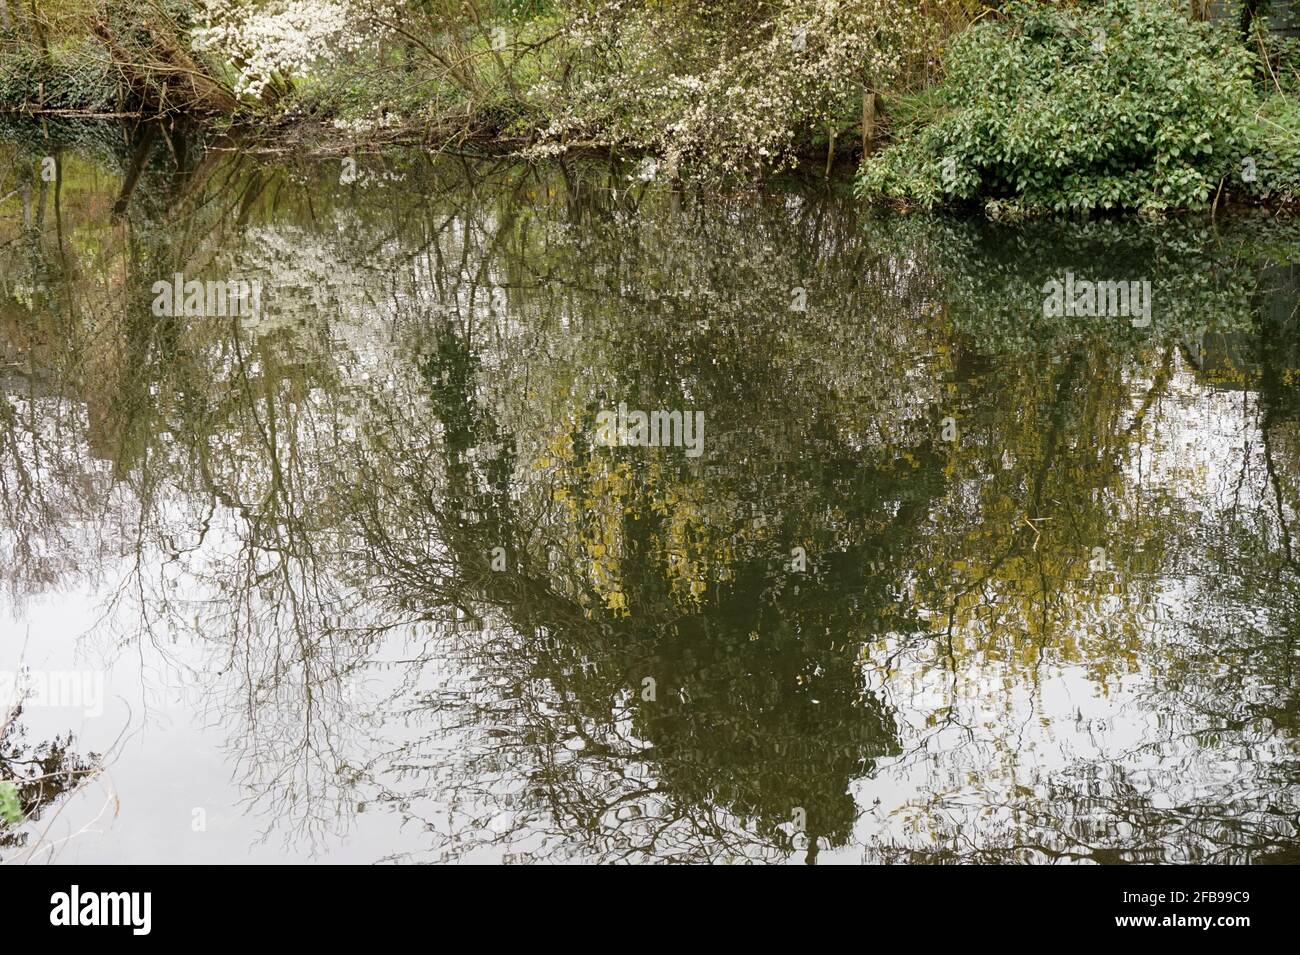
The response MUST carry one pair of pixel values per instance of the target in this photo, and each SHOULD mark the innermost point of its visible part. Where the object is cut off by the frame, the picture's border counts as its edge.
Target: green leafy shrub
(1282, 68)
(1124, 104)
(11, 812)
(1274, 151)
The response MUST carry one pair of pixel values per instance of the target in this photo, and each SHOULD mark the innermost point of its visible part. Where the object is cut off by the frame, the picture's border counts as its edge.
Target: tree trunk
(39, 32)
(868, 123)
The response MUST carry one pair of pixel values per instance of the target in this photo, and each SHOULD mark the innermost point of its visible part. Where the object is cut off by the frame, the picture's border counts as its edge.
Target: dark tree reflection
(950, 581)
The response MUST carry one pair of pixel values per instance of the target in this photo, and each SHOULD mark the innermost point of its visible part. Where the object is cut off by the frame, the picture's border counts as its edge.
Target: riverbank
(1027, 110)
(538, 79)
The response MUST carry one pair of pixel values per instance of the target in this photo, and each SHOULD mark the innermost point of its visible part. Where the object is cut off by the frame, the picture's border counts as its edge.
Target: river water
(920, 571)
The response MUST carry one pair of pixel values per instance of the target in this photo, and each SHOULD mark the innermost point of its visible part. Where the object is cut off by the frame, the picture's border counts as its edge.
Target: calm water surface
(948, 580)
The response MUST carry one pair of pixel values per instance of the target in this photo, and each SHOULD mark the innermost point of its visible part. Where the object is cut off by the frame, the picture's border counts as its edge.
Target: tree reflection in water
(421, 587)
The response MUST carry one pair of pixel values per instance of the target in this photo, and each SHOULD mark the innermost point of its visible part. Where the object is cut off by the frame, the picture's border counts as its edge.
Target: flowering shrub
(280, 40)
(1123, 104)
(717, 85)
(726, 87)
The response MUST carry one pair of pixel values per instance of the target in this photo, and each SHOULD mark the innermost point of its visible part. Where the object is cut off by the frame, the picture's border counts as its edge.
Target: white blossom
(286, 38)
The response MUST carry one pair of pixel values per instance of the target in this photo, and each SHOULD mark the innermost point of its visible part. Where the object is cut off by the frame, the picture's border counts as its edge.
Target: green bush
(1124, 104)
(1274, 151)
(11, 812)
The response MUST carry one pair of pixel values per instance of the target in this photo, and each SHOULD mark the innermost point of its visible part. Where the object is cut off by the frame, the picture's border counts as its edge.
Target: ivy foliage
(79, 77)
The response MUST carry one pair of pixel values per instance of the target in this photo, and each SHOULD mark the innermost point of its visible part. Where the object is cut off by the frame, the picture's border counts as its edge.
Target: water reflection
(42, 774)
(950, 582)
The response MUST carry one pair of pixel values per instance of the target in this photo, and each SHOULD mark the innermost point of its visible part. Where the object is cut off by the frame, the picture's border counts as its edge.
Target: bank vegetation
(1014, 108)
